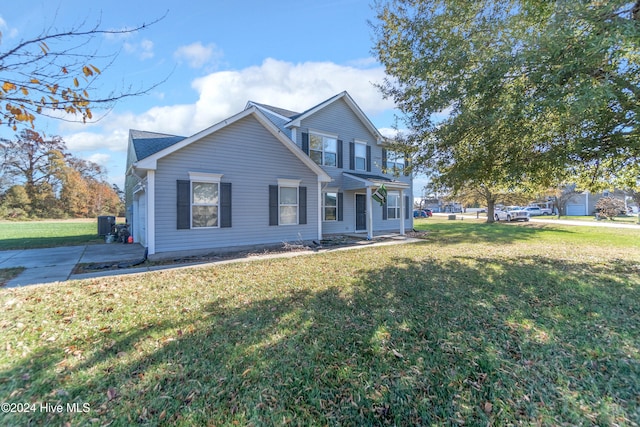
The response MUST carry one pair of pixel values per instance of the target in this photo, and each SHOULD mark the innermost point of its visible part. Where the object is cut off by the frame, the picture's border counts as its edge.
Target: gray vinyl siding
(129, 182)
(338, 118)
(251, 159)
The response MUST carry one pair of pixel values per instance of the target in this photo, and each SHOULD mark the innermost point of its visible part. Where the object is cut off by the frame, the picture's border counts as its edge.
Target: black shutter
(352, 156)
(273, 205)
(385, 213)
(406, 207)
(340, 154)
(225, 204)
(340, 198)
(384, 160)
(368, 158)
(305, 143)
(302, 205)
(183, 200)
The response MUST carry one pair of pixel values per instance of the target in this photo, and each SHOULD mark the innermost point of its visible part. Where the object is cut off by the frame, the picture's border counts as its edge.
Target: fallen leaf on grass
(112, 393)
(487, 407)
(397, 354)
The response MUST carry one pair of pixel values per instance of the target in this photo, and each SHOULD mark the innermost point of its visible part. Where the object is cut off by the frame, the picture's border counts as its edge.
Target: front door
(361, 212)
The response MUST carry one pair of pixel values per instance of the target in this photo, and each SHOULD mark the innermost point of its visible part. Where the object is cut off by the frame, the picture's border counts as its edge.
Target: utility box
(105, 225)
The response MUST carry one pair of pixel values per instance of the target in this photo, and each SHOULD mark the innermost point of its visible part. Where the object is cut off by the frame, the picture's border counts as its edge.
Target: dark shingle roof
(281, 111)
(147, 143)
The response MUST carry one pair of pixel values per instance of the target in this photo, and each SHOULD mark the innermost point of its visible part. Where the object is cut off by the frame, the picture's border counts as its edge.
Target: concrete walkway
(48, 265)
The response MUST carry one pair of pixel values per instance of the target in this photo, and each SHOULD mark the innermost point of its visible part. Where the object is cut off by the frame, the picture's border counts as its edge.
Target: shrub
(610, 207)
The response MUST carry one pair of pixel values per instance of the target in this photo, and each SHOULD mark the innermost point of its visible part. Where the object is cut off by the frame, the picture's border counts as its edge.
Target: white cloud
(296, 87)
(197, 55)
(143, 50)
(6, 31)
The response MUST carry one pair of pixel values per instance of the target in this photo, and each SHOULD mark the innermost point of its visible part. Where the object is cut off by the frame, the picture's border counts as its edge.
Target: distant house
(585, 203)
(262, 177)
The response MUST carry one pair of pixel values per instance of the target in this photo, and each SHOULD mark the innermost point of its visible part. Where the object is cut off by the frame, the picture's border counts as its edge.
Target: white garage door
(575, 210)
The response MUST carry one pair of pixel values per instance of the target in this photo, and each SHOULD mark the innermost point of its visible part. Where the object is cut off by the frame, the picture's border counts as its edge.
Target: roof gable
(147, 143)
(296, 120)
(150, 162)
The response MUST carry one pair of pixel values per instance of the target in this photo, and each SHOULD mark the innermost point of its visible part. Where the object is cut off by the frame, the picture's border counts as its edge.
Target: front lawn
(480, 324)
(48, 233)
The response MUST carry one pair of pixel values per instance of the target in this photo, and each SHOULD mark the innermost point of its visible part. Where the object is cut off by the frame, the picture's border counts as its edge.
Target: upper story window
(323, 149)
(395, 162)
(361, 156)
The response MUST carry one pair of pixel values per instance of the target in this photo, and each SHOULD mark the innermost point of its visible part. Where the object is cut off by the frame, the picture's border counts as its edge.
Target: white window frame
(288, 183)
(323, 152)
(395, 162)
(325, 207)
(362, 144)
(204, 178)
(395, 208)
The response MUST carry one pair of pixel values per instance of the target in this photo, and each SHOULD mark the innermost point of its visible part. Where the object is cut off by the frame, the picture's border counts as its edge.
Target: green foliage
(531, 91)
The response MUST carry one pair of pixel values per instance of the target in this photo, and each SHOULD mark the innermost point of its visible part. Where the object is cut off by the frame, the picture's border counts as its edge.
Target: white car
(535, 211)
(511, 213)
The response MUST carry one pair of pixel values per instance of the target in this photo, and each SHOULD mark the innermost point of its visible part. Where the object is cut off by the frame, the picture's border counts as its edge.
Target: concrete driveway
(56, 264)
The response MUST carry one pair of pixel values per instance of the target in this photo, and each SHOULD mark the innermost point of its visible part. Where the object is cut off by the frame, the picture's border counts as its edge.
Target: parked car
(422, 213)
(535, 211)
(511, 213)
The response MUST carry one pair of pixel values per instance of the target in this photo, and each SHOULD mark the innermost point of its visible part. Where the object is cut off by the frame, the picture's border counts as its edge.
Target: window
(361, 156)
(288, 205)
(395, 162)
(393, 205)
(323, 149)
(204, 204)
(330, 207)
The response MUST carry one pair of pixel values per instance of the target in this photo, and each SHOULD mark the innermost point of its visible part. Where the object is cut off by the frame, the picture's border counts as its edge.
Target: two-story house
(262, 177)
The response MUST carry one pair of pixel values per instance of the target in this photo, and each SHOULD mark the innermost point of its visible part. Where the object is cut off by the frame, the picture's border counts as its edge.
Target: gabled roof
(280, 111)
(287, 119)
(147, 143)
(150, 162)
(296, 120)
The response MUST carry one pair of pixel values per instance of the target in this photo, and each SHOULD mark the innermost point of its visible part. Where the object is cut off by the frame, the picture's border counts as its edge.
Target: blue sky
(215, 56)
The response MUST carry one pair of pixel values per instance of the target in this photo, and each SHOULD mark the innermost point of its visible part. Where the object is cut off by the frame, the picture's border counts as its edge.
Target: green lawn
(44, 234)
(480, 324)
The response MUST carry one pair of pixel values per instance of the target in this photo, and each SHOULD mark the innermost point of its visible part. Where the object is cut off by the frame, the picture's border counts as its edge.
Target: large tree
(530, 90)
(55, 74)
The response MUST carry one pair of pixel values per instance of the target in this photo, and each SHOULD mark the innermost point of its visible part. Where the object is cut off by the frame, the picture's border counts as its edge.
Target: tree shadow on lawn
(497, 233)
(526, 340)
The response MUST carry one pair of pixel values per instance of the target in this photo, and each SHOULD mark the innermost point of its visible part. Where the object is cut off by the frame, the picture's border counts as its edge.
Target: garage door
(576, 210)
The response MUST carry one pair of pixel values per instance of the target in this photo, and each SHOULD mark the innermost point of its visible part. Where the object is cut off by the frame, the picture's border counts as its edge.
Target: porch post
(369, 214)
(402, 208)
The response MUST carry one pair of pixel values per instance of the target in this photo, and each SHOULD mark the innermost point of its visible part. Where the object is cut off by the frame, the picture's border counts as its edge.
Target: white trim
(286, 182)
(323, 133)
(369, 214)
(205, 177)
(320, 211)
(151, 212)
(402, 208)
